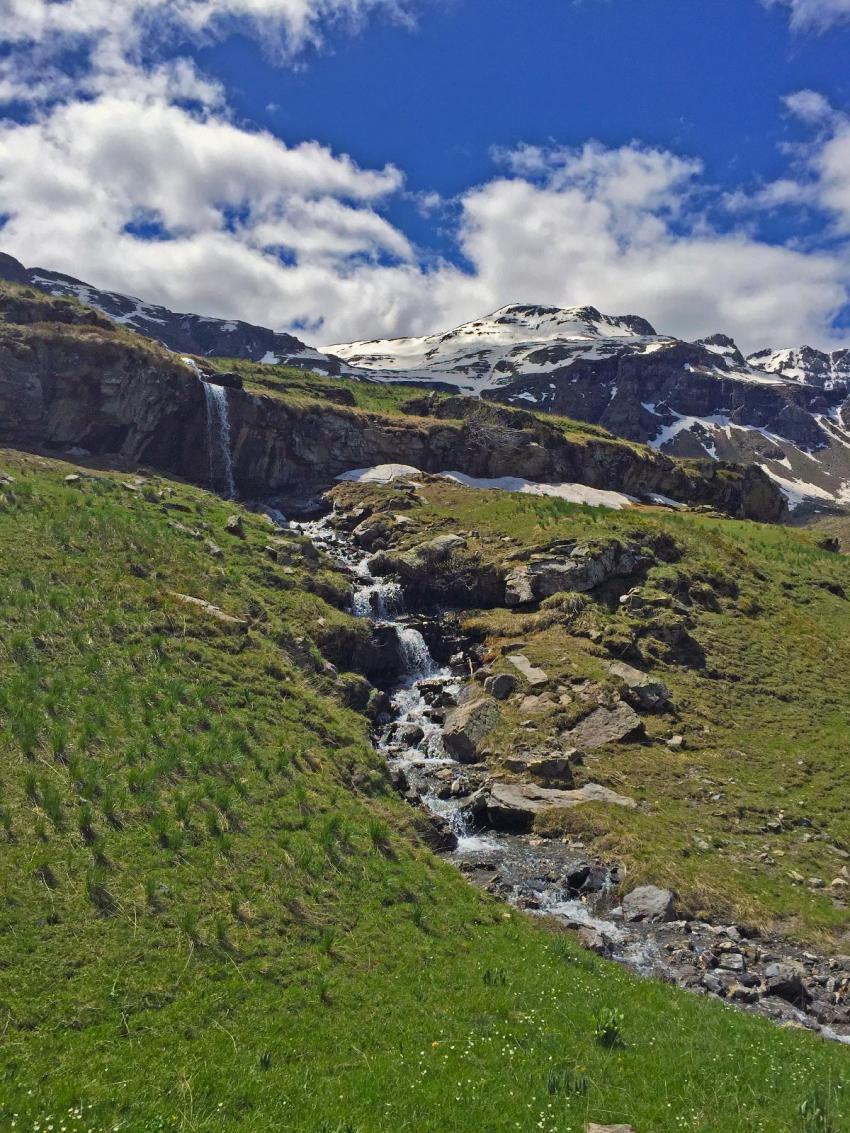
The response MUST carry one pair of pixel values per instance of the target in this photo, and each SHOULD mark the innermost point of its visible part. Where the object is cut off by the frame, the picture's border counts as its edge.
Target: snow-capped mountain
(787, 410)
(781, 409)
(184, 333)
(491, 352)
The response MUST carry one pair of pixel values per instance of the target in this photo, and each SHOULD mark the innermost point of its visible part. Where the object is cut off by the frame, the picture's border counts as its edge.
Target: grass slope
(215, 915)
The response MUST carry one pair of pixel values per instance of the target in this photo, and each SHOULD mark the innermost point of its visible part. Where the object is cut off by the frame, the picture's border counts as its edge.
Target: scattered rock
(605, 726)
(649, 903)
(467, 726)
(641, 690)
(533, 675)
(500, 685)
(234, 526)
(213, 548)
(72, 479)
(594, 1128)
(676, 741)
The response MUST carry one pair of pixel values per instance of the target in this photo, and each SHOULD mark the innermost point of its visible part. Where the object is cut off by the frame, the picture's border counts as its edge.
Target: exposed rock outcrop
(77, 383)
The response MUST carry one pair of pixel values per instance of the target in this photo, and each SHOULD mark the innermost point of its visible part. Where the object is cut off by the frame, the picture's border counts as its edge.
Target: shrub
(608, 1027)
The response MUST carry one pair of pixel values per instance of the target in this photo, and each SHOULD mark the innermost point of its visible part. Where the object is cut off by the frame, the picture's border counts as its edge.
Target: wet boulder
(467, 726)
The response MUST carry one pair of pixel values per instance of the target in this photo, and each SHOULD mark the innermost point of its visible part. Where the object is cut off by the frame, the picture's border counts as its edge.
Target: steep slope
(241, 929)
(72, 380)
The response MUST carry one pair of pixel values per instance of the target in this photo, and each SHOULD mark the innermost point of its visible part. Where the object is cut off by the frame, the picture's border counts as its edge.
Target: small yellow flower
(434, 1044)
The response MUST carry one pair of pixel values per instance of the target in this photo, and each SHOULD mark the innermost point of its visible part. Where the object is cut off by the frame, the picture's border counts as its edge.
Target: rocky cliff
(69, 380)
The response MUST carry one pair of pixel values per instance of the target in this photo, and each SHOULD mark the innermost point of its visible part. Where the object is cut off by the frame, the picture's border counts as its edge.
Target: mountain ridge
(786, 410)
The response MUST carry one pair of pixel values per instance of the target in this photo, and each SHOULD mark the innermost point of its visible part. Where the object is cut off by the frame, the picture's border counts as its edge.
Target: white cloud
(249, 227)
(616, 228)
(814, 14)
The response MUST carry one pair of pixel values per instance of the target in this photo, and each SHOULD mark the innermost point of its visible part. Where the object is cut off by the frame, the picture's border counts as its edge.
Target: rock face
(466, 728)
(581, 569)
(116, 396)
(605, 726)
(648, 903)
(514, 806)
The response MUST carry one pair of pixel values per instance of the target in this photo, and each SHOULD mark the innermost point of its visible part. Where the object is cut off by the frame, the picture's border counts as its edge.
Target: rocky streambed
(484, 825)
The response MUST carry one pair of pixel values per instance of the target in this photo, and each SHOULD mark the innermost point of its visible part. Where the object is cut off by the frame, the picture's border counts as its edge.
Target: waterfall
(418, 661)
(218, 431)
(218, 437)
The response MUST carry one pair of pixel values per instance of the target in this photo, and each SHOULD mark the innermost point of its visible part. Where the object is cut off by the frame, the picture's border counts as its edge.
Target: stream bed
(556, 879)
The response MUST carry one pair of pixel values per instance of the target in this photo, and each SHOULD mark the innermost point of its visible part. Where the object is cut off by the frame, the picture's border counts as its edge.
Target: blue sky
(363, 168)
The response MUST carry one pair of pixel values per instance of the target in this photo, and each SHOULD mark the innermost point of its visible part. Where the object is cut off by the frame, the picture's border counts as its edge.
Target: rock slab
(514, 806)
(605, 726)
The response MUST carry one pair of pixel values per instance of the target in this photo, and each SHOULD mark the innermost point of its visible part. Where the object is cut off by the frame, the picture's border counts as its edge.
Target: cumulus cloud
(133, 174)
(623, 228)
(814, 14)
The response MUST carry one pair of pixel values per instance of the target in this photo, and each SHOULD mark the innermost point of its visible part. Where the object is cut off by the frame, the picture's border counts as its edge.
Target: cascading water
(218, 438)
(218, 432)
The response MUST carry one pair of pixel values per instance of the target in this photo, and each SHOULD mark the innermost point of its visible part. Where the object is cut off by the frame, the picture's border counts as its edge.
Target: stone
(72, 479)
(436, 831)
(213, 548)
(676, 741)
(514, 806)
(786, 981)
(642, 690)
(235, 526)
(605, 726)
(594, 1128)
(594, 940)
(213, 611)
(649, 903)
(533, 675)
(467, 726)
(500, 686)
(551, 768)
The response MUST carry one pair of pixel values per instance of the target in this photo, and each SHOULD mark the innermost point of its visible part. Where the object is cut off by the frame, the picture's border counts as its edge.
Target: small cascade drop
(418, 662)
(218, 438)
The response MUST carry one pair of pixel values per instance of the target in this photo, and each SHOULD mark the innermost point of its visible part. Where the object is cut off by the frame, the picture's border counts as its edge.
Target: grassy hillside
(749, 626)
(215, 915)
